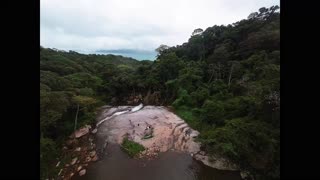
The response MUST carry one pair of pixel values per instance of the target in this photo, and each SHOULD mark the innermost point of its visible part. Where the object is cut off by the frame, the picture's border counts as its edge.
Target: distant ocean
(136, 54)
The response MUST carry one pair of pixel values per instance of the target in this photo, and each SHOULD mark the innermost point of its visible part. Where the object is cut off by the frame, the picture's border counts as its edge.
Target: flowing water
(171, 137)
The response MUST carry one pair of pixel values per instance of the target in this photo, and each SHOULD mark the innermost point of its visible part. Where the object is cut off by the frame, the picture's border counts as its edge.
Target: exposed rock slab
(168, 132)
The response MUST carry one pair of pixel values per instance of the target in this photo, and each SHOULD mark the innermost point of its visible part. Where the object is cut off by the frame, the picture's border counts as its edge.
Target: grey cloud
(140, 24)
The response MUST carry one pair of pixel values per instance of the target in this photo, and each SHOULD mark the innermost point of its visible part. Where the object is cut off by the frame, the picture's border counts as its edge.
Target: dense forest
(225, 82)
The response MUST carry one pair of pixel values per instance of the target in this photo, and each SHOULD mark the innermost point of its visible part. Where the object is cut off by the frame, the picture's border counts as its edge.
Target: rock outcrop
(158, 130)
(80, 149)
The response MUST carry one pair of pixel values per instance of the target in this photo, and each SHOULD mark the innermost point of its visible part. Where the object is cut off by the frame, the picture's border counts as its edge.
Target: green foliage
(131, 147)
(84, 100)
(247, 142)
(86, 92)
(68, 79)
(168, 66)
(183, 99)
(87, 118)
(200, 95)
(53, 81)
(80, 80)
(48, 153)
(213, 112)
(233, 98)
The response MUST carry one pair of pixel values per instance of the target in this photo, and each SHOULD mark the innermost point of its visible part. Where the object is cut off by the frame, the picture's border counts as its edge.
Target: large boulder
(92, 153)
(71, 143)
(246, 175)
(81, 132)
(88, 159)
(95, 158)
(79, 168)
(82, 172)
(94, 131)
(74, 160)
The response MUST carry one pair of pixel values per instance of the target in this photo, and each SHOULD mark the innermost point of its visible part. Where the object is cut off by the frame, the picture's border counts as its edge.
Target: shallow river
(116, 165)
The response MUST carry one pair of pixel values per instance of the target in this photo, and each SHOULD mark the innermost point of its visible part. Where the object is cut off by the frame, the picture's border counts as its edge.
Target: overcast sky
(90, 25)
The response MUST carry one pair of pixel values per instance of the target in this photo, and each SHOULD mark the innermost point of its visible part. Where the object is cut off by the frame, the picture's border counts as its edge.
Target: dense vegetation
(225, 82)
(72, 86)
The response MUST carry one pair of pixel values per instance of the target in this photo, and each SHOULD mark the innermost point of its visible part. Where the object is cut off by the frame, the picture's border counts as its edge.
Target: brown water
(117, 165)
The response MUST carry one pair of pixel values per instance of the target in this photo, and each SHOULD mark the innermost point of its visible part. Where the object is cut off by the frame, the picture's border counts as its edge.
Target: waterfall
(137, 108)
(134, 109)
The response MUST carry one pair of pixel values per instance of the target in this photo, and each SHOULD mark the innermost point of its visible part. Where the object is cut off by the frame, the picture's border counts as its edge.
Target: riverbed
(172, 146)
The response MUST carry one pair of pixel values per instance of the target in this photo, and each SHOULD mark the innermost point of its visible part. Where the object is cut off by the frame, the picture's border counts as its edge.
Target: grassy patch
(131, 147)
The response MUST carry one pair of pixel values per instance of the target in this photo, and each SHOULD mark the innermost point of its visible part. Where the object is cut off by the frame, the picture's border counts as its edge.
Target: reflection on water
(116, 165)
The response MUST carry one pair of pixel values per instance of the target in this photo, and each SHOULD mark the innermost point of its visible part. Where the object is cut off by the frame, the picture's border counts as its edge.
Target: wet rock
(70, 142)
(216, 162)
(246, 175)
(81, 132)
(95, 158)
(92, 153)
(79, 168)
(82, 172)
(198, 157)
(88, 159)
(94, 131)
(59, 172)
(74, 160)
